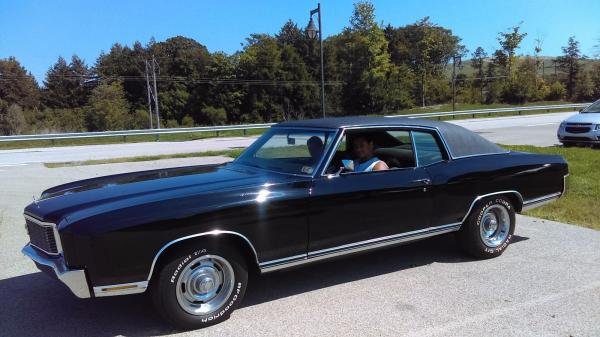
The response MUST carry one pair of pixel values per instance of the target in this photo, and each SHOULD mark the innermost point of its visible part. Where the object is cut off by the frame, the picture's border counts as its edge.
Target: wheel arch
(515, 198)
(238, 240)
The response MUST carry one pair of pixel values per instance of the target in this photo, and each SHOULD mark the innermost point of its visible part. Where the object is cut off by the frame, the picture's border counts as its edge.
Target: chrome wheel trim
(205, 284)
(494, 226)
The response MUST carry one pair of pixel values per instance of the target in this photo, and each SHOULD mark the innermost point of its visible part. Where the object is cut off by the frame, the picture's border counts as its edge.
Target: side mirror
(348, 165)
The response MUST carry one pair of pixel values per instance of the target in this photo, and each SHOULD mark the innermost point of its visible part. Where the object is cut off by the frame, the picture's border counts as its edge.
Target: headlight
(597, 126)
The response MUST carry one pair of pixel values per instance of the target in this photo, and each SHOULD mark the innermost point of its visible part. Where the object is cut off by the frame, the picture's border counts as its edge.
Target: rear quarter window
(427, 148)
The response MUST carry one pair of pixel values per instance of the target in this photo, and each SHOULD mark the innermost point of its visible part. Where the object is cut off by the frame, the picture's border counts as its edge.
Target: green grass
(227, 153)
(580, 204)
(176, 137)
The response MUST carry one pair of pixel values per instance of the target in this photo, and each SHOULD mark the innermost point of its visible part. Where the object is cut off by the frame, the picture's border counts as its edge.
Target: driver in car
(315, 148)
(366, 161)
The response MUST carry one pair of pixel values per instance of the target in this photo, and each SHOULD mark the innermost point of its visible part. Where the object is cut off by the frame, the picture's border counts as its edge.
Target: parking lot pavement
(546, 284)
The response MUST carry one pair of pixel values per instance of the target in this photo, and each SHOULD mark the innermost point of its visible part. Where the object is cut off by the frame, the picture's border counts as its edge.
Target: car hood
(107, 193)
(584, 118)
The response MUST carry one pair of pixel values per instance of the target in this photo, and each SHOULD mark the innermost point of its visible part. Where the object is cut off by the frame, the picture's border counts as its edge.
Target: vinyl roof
(460, 141)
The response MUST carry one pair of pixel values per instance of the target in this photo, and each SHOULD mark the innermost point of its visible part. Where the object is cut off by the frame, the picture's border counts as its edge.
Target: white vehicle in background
(582, 128)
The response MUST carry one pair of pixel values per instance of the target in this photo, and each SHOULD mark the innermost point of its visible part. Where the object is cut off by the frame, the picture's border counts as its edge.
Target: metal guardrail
(519, 110)
(245, 127)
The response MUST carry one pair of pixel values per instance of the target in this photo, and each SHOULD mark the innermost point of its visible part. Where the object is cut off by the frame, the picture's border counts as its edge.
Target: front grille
(582, 139)
(41, 235)
(577, 129)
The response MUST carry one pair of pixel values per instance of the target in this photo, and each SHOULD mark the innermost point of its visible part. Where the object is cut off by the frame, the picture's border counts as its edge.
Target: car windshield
(594, 108)
(288, 150)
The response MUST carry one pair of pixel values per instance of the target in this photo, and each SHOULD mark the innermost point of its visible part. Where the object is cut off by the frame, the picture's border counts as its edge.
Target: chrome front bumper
(74, 279)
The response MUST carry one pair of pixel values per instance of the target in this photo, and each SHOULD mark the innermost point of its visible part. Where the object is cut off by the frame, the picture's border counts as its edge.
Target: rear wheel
(200, 287)
(489, 229)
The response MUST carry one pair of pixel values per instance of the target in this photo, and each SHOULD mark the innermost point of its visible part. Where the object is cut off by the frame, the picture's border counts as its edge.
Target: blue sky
(37, 32)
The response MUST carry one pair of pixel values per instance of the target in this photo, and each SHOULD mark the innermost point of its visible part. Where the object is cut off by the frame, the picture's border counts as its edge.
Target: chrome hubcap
(205, 284)
(495, 225)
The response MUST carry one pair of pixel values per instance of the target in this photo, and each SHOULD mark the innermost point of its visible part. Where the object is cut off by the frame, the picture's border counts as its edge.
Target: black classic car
(191, 235)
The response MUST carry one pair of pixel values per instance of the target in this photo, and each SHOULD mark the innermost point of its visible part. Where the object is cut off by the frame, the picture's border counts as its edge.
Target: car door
(351, 208)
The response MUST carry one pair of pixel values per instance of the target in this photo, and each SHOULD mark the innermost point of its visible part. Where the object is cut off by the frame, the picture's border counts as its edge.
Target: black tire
(471, 235)
(165, 293)
(566, 144)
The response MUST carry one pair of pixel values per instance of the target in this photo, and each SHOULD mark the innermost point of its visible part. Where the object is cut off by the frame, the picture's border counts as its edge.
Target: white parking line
(11, 165)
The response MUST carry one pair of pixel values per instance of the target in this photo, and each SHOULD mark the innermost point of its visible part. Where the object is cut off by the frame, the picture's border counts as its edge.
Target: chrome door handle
(424, 181)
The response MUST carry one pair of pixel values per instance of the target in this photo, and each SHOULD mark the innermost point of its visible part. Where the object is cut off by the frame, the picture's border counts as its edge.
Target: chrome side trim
(74, 279)
(214, 233)
(357, 247)
(283, 261)
(479, 197)
(121, 289)
(537, 202)
(54, 230)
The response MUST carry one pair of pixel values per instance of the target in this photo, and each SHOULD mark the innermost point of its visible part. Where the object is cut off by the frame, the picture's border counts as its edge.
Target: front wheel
(489, 229)
(200, 287)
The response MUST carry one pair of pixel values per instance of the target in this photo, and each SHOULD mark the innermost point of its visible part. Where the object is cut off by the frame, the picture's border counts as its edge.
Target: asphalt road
(537, 130)
(546, 284)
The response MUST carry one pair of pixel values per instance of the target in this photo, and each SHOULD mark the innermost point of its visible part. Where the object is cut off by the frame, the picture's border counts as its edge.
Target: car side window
(427, 148)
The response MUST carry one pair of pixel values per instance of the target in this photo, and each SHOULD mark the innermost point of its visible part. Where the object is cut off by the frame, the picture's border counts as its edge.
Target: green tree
(427, 49)
(123, 62)
(569, 63)
(107, 108)
(64, 86)
(584, 87)
(510, 41)
(17, 86)
(595, 77)
(478, 63)
(371, 82)
(183, 66)
(12, 121)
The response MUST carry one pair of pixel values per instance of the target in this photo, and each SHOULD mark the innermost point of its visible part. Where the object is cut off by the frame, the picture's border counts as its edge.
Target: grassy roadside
(226, 153)
(253, 132)
(176, 137)
(580, 204)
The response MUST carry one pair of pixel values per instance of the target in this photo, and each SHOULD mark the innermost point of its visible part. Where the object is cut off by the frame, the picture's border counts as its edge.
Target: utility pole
(148, 92)
(155, 92)
(312, 33)
(455, 59)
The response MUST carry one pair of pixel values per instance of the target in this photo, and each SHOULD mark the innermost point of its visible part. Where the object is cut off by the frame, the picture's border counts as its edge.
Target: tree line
(370, 68)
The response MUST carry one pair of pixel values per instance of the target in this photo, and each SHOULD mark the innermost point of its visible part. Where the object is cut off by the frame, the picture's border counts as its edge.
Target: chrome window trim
(414, 147)
(59, 249)
(355, 247)
(314, 174)
(409, 128)
(481, 154)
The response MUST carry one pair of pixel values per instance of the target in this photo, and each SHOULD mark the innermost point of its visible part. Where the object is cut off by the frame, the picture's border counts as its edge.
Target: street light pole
(312, 32)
